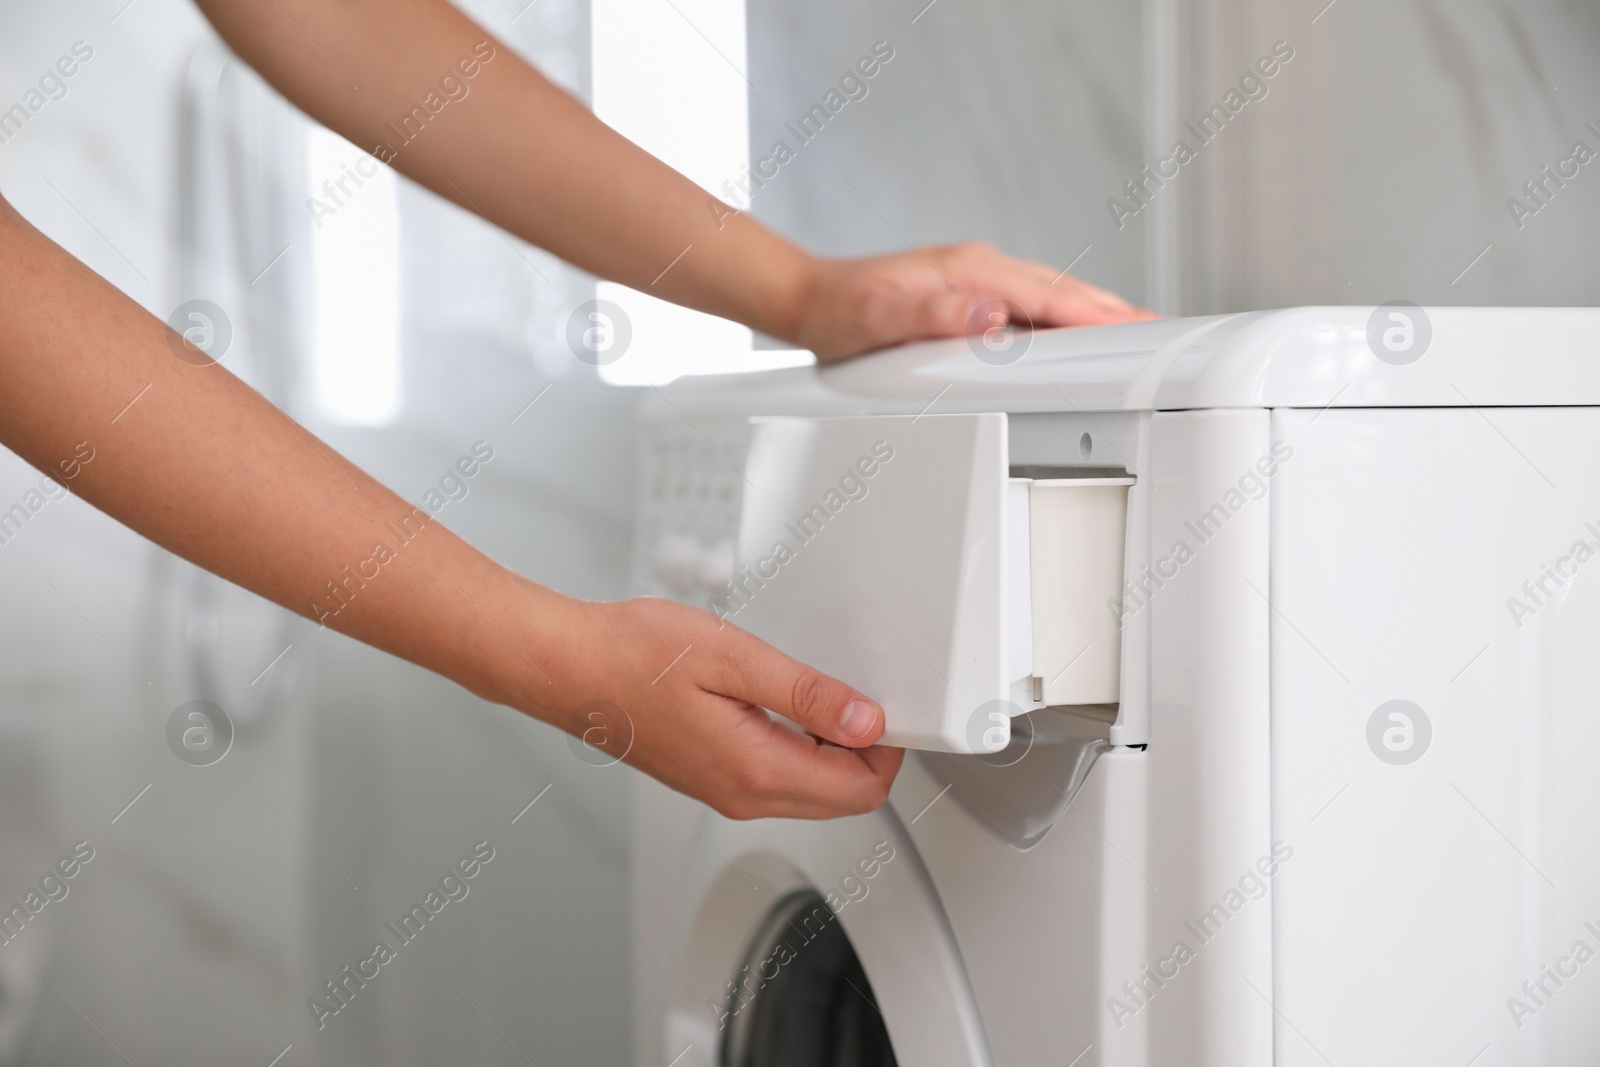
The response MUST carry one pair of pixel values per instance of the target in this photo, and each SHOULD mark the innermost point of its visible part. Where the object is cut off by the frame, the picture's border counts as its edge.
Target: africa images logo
(599, 332)
(452, 887)
(853, 485)
(1399, 732)
(199, 733)
(1252, 86)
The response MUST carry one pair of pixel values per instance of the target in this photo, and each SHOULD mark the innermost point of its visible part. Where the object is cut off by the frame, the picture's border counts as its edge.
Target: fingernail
(858, 719)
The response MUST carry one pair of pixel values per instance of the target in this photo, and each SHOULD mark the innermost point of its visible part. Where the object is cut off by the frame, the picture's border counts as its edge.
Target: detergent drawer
(899, 554)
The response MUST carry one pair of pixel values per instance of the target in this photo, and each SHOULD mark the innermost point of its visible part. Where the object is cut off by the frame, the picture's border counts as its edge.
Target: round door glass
(801, 998)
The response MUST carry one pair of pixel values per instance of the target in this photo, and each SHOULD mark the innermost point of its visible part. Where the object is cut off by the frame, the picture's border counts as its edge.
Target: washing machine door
(816, 944)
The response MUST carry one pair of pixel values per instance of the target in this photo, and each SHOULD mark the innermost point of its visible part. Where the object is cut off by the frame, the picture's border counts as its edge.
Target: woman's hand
(853, 306)
(678, 694)
(605, 205)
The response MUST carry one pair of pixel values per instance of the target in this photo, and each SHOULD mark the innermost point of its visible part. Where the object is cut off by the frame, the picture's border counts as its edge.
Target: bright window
(671, 77)
(356, 261)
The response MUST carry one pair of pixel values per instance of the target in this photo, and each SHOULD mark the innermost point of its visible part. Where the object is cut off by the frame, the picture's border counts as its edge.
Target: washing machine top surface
(1393, 355)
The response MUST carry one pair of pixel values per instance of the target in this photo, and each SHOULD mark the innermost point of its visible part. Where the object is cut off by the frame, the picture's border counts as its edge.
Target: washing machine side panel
(1199, 995)
(1443, 902)
(1042, 932)
(1072, 945)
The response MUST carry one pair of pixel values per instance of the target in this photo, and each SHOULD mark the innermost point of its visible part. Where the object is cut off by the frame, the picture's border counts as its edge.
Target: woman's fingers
(867, 304)
(779, 771)
(702, 725)
(1045, 297)
(832, 768)
(756, 673)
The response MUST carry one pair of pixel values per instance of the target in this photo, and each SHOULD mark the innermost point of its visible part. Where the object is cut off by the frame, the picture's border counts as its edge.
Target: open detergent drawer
(898, 554)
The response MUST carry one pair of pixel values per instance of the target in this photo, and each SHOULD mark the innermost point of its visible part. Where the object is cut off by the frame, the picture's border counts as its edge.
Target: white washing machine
(1253, 668)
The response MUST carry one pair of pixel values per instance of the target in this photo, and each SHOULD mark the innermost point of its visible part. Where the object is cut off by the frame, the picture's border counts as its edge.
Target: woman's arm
(192, 458)
(522, 153)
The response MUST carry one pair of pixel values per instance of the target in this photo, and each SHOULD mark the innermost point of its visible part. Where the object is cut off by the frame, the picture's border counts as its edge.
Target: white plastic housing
(870, 548)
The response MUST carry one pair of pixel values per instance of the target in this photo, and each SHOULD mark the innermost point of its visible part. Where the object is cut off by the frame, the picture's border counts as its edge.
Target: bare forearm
(195, 460)
(514, 148)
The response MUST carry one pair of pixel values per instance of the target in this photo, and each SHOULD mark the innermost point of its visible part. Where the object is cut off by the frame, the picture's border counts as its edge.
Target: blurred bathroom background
(1377, 162)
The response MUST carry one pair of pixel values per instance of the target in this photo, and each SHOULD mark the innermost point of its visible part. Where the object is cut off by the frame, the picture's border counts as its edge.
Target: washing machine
(1249, 668)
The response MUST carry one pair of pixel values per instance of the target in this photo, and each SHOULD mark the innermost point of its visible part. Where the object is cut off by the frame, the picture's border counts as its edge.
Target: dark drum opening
(800, 998)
